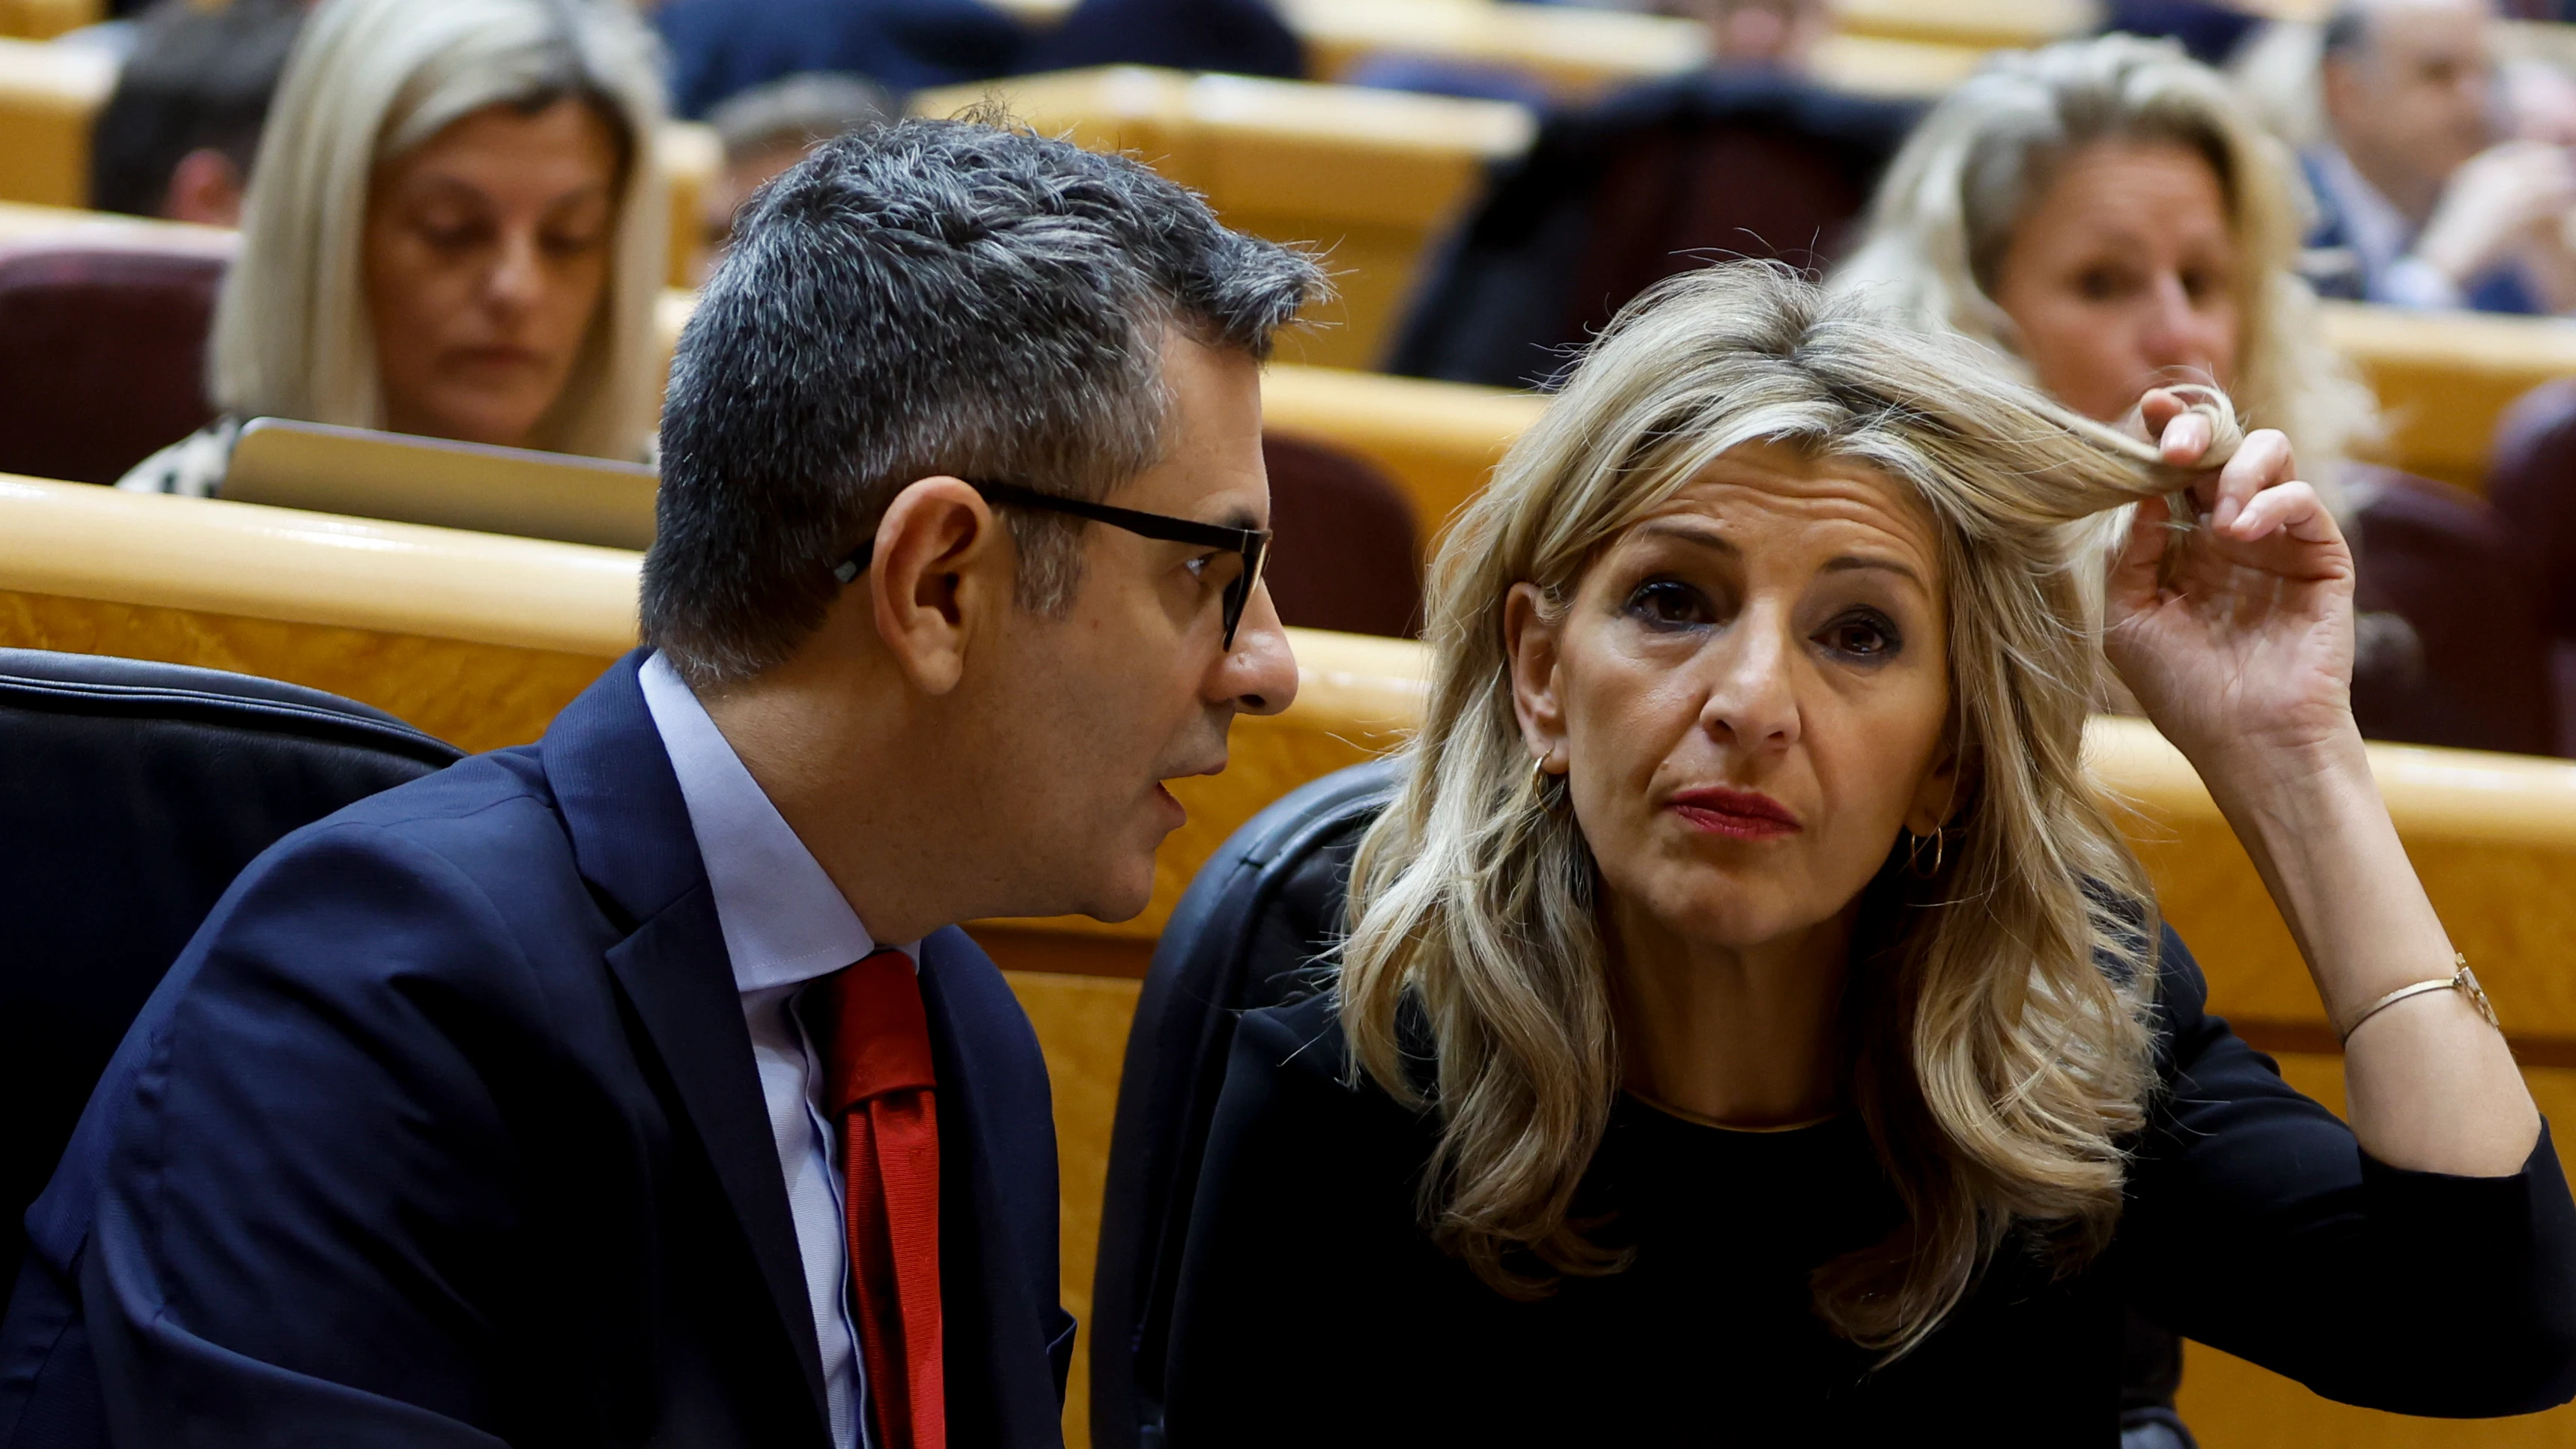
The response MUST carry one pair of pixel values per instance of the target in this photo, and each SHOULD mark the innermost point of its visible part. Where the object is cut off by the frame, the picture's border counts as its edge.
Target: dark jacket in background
(1239, 37)
(1659, 179)
(197, 79)
(721, 47)
(445, 1131)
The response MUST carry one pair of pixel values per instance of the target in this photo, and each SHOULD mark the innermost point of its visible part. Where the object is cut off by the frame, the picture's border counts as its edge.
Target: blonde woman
(455, 228)
(1752, 1026)
(2105, 216)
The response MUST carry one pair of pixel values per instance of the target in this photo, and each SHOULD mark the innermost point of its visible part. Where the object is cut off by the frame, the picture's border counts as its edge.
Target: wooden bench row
(481, 639)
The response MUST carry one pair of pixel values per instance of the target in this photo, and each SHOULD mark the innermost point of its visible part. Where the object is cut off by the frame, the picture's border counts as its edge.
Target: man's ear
(1531, 640)
(206, 188)
(941, 569)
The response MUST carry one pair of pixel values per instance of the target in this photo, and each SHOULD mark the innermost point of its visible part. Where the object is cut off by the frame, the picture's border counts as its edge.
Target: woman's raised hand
(2235, 635)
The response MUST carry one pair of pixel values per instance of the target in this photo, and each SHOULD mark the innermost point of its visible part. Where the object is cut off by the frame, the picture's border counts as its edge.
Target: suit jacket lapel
(631, 837)
(1000, 1388)
(695, 1020)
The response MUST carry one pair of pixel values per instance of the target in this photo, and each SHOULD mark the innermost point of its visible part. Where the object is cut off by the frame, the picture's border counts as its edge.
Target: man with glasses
(637, 1085)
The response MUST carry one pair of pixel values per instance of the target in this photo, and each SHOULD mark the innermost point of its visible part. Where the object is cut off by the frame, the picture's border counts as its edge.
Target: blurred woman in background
(456, 228)
(2105, 215)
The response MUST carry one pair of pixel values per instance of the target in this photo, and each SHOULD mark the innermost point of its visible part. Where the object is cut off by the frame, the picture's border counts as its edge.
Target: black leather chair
(1249, 933)
(131, 794)
(1243, 936)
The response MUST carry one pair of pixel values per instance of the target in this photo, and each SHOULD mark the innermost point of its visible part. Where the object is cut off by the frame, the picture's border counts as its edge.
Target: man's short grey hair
(934, 297)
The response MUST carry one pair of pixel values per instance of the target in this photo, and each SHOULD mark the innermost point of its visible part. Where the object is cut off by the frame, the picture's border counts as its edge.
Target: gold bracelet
(2463, 981)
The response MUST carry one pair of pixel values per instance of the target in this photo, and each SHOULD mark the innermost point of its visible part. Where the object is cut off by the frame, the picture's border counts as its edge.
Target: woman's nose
(2176, 334)
(1754, 704)
(517, 281)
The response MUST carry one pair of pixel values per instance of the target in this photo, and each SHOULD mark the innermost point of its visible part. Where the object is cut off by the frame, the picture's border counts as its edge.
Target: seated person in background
(721, 48)
(1775, 33)
(1753, 1024)
(457, 231)
(771, 127)
(1239, 37)
(2421, 201)
(176, 138)
(634, 1087)
(2103, 214)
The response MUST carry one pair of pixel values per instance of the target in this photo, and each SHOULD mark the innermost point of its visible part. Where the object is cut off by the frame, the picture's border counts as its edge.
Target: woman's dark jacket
(1314, 1308)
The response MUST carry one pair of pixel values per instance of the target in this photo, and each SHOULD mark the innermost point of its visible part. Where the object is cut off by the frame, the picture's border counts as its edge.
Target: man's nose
(1259, 674)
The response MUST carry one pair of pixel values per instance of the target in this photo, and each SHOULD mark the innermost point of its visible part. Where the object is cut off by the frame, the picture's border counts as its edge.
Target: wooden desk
(1368, 176)
(482, 639)
(45, 19)
(48, 93)
(2445, 377)
(1982, 24)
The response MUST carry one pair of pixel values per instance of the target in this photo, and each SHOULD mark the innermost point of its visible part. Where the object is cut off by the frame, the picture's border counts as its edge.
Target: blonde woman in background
(2105, 216)
(455, 228)
(1752, 1025)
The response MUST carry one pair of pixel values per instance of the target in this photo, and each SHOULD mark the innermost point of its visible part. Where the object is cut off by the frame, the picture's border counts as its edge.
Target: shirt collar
(784, 921)
(2373, 226)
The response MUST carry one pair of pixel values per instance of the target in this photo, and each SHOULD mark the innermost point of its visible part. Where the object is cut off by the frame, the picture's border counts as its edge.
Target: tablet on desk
(404, 479)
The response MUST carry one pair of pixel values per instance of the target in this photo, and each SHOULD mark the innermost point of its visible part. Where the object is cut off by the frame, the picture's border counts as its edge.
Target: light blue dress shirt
(785, 924)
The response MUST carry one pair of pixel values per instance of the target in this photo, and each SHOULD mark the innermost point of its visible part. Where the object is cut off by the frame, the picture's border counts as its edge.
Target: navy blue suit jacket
(445, 1130)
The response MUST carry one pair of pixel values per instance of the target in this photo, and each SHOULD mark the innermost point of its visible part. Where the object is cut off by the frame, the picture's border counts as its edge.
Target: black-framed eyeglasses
(1252, 543)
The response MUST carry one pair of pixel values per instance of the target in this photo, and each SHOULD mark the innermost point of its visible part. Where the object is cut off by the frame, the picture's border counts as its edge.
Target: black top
(1314, 1309)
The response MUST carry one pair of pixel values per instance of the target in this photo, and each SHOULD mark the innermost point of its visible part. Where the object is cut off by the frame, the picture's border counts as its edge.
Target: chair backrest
(134, 793)
(1255, 917)
(2453, 567)
(1660, 179)
(2531, 480)
(1347, 555)
(102, 354)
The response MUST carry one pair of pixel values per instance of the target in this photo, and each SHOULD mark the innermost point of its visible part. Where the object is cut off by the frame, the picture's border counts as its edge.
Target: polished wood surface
(2445, 377)
(1438, 441)
(45, 19)
(48, 93)
(1984, 24)
(1366, 176)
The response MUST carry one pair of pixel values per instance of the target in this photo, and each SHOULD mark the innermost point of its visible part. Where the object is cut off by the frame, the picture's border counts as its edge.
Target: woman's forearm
(2430, 1085)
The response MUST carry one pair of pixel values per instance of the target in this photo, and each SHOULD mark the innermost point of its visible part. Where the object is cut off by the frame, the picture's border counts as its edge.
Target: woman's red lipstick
(1742, 814)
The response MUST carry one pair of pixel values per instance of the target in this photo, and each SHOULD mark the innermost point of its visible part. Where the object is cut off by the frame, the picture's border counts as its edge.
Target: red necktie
(876, 1063)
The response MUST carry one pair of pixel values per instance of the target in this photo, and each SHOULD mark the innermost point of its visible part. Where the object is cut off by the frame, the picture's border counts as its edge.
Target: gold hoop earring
(1914, 853)
(1538, 774)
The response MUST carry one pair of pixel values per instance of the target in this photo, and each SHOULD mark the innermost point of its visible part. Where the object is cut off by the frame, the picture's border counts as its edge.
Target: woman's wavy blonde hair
(1999, 1053)
(370, 80)
(1945, 214)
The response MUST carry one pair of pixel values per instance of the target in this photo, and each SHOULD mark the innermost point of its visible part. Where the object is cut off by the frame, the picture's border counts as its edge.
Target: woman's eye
(2100, 284)
(572, 244)
(1861, 636)
(1667, 603)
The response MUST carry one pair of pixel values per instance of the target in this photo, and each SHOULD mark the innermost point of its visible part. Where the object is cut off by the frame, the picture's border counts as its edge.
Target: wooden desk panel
(48, 93)
(45, 19)
(2443, 378)
(1368, 176)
